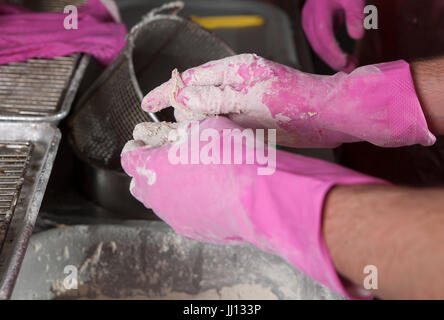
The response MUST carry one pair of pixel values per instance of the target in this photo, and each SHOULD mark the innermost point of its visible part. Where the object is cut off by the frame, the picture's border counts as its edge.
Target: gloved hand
(320, 18)
(374, 103)
(223, 203)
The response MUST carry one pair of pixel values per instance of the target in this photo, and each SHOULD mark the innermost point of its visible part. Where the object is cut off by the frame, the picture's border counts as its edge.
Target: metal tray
(40, 89)
(149, 259)
(27, 165)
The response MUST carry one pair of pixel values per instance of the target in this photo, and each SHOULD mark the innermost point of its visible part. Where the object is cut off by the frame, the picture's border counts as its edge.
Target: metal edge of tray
(68, 99)
(45, 138)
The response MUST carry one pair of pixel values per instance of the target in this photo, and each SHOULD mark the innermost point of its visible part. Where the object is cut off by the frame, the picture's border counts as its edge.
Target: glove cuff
(383, 106)
(288, 212)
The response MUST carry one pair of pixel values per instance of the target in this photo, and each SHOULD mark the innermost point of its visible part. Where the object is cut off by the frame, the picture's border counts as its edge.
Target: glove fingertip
(157, 99)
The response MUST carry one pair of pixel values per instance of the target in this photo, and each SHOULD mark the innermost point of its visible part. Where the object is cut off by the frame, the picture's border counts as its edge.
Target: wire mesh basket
(107, 114)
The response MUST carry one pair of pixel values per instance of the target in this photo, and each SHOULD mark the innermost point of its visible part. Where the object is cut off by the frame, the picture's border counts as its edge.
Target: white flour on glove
(181, 113)
(156, 134)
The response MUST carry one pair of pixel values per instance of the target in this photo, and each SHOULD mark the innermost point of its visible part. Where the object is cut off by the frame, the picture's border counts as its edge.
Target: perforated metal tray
(27, 153)
(14, 160)
(40, 89)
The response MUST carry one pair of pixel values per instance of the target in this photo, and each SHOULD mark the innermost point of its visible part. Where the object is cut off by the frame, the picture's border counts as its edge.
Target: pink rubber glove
(320, 18)
(375, 103)
(279, 213)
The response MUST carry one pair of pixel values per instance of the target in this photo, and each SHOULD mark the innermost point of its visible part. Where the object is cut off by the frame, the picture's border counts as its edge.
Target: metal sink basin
(120, 259)
(148, 260)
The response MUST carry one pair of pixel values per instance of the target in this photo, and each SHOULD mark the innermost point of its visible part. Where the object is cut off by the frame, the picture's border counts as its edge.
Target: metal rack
(41, 89)
(14, 159)
(27, 152)
(34, 96)
(35, 87)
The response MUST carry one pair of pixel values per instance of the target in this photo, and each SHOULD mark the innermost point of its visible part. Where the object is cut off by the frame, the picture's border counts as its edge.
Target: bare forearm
(428, 76)
(398, 230)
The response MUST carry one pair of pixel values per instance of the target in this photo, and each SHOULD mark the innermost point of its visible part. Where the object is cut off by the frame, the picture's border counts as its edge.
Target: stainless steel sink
(117, 258)
(149, 260)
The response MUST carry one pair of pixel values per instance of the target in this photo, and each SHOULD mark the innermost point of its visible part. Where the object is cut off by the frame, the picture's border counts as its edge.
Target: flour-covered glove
(321, 18)
(375, 103)
(274, 202)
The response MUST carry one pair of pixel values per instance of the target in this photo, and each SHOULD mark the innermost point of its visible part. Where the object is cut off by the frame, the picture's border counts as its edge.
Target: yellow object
(219, 22)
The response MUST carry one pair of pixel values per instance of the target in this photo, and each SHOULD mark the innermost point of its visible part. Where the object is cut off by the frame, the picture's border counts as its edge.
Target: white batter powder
(236, 292)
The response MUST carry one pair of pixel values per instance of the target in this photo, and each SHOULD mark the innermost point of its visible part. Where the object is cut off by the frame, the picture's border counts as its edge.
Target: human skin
(428, 76)
(398, 230)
